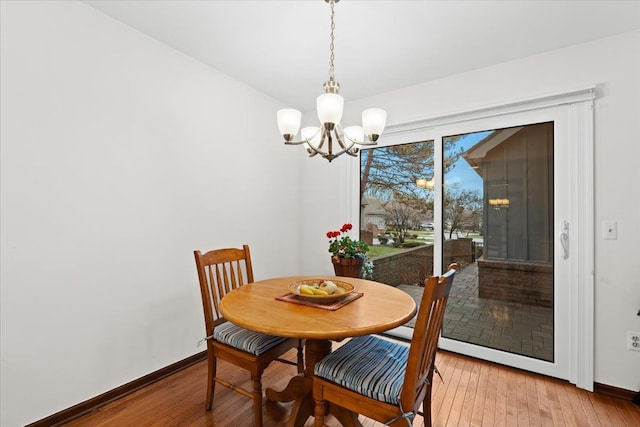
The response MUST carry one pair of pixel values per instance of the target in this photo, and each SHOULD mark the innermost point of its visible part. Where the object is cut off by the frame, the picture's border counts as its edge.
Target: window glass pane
(396, 213)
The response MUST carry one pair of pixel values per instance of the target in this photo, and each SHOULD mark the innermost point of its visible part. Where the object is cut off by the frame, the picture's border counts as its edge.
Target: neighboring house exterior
(516, 166)
(373, 214)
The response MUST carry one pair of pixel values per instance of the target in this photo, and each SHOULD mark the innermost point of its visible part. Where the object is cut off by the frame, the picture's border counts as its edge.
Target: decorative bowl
(342, 289)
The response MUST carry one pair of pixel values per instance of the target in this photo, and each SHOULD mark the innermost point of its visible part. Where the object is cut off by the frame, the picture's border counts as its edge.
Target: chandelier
(330, 107)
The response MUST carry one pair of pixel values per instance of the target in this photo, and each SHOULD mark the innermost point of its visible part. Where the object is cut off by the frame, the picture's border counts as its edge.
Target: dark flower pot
(347, 267)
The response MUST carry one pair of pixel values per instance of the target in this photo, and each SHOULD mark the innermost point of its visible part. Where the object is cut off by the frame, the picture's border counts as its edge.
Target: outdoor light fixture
(499, 203)
(330, 106)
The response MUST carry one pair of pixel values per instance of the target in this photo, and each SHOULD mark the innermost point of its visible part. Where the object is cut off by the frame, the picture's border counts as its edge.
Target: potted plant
(347, 255)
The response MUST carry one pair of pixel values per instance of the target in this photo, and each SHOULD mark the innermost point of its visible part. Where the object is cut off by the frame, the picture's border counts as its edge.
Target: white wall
(614, 65)
(120, 156)
(118, 152)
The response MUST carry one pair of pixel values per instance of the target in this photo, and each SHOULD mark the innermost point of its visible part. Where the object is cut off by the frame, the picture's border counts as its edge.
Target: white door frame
(575, 363)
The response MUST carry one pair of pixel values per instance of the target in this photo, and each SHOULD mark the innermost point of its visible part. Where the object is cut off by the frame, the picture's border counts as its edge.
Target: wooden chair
(220, 271)
(384, 380)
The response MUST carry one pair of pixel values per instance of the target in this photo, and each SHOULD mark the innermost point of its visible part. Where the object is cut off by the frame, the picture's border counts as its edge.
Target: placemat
(289, 297)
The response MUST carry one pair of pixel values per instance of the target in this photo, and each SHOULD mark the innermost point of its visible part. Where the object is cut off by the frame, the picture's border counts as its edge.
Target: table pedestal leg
(294, 389)
(300, 388)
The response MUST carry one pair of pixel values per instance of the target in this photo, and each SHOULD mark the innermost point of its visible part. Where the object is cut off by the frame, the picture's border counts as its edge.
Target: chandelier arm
(322, 139)
(342, 143)
(330, 155)
(318, 149)
(304, 141)
(307, 140)
(339, 153)
(368, 143)
(315, 151)
(345, 149)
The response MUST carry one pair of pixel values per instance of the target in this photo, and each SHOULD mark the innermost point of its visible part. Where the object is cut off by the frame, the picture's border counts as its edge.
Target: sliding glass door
(491, 195)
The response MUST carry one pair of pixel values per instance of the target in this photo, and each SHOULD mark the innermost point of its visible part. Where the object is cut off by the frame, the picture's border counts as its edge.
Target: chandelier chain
(332, 74)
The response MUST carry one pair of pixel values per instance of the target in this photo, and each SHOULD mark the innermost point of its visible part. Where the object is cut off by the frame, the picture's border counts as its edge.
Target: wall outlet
(633, 341)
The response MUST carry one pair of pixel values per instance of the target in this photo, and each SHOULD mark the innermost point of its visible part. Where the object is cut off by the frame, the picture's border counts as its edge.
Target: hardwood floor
(472, 393)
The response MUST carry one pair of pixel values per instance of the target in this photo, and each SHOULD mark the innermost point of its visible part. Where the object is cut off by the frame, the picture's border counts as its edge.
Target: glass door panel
(497, 225)
(396, 214)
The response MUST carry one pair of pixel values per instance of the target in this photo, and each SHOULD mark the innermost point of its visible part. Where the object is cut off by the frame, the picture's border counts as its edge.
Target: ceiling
(282, 47)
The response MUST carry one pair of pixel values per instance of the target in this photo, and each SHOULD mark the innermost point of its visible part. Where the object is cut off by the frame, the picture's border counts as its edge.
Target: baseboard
(94, 403)
(608, 390)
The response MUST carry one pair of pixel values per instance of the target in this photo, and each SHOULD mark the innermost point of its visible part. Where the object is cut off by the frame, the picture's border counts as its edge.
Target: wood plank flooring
(472, 393)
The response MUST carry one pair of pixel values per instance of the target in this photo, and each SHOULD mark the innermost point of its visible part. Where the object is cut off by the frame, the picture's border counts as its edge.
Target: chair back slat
(221, 279)
(212, 296)
(220, 271)
(424, 341)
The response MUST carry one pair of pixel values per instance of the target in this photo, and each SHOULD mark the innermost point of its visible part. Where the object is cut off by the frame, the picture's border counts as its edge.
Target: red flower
(345, 247)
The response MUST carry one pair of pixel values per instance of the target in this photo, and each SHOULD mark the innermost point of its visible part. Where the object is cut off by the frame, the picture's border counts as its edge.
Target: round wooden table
(255, 307)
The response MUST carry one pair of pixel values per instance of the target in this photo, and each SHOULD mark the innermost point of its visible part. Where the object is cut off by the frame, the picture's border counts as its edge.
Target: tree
(462, 208)
(397, 219)
(475, 207)
(386, 171)
(402, 215)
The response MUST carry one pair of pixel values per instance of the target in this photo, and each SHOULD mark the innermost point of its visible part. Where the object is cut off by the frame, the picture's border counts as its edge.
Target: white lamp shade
(330, 106)
(289, 121)
(354, 133)
(373, 121)
(312, 134)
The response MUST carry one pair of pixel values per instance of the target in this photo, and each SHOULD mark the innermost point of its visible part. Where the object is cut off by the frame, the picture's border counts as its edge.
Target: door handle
(564, 238)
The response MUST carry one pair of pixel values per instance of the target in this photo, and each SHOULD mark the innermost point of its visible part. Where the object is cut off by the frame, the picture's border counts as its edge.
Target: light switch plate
(609, 230)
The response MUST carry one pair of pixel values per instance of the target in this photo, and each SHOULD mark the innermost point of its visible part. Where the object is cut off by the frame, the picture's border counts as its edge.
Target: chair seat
(367, 365)
(240, 338)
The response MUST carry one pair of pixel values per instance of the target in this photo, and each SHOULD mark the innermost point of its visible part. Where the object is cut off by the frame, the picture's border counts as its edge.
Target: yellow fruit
(319, 292)
(305, 290)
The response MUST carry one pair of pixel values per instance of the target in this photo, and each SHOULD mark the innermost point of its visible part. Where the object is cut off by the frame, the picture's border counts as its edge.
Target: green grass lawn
(375, 251)
(424, 237)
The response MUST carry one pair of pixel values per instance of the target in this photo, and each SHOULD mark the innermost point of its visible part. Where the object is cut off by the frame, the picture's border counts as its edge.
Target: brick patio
(517, 328)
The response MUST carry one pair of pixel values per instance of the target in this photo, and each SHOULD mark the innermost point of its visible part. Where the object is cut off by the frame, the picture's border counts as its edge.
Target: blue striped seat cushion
(240, 338)
(367, 365)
